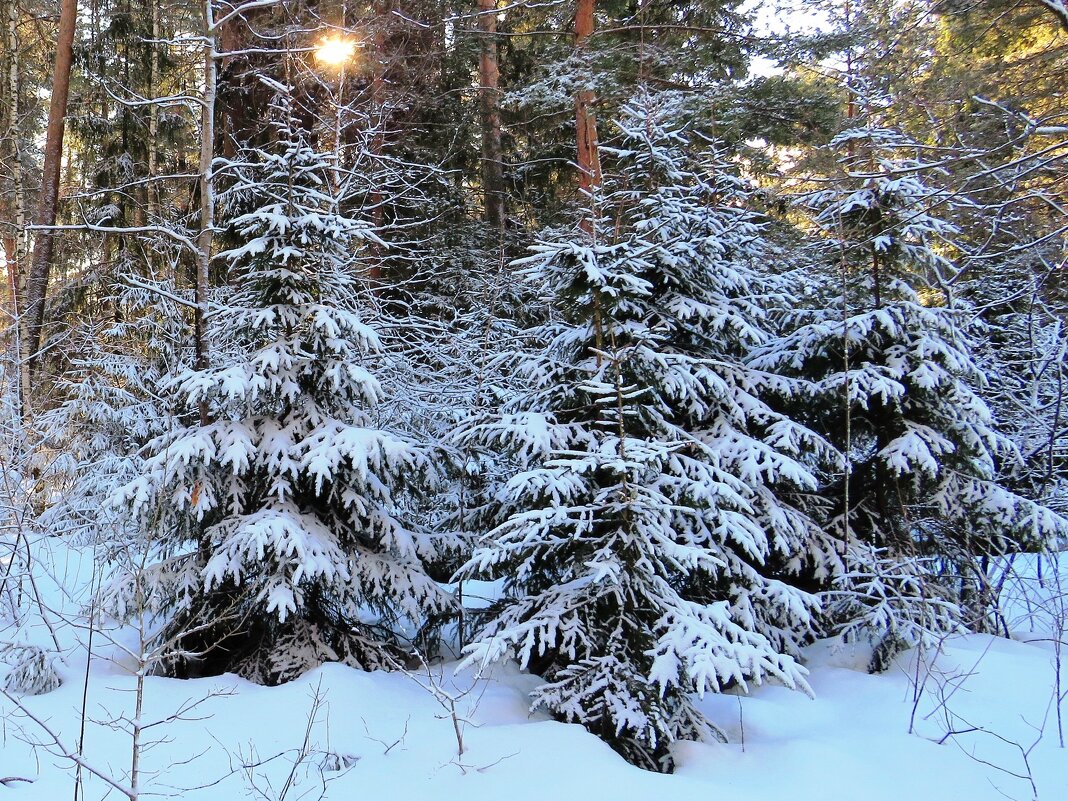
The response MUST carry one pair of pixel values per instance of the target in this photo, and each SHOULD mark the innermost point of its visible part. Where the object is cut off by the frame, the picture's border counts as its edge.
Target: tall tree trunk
(381, 9)
(14, 238)
(37, 281)
(489, 100)
(589, 160)
(207, 193)
(15, 207)
(152, 195)
(589, 157)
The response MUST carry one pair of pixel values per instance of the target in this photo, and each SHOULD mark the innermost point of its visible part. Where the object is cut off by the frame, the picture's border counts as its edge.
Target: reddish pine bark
(489, 94)
(41, 265)
(589, 161)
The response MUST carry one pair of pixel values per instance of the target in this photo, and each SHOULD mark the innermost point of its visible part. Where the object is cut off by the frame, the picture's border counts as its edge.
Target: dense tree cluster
(339, 309)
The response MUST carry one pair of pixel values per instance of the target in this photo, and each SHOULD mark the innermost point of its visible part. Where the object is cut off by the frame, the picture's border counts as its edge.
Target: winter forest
(572, 399)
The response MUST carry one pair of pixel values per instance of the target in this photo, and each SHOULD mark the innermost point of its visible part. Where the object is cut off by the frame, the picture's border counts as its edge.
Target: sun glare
(335, 52)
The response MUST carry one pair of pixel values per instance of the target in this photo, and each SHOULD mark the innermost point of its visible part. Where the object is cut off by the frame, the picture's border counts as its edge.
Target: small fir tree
(279, 513)
(897, 391)
(657, 500)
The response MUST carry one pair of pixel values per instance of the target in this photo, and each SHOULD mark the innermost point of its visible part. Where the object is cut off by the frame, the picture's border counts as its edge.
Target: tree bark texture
(589, 160)
(14, 207)
(489, 101)
(41, 265)
(207, 192)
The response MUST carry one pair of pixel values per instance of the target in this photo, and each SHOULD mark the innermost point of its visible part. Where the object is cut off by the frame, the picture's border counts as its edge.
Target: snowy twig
(388, 746)
(56, 747)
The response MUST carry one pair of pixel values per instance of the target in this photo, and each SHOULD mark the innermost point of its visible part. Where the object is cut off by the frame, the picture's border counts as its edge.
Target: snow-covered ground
(977, 722)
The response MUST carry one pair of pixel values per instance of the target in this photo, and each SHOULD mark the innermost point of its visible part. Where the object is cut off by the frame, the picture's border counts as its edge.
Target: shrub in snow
(277, 513)
(658, 502)
(30, 670)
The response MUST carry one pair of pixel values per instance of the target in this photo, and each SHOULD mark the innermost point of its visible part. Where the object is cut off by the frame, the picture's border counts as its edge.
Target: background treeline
(325, 315)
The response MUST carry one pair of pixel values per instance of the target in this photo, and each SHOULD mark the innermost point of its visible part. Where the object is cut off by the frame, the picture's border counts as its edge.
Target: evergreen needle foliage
(278, 511)
(658, 499)
(331, 348)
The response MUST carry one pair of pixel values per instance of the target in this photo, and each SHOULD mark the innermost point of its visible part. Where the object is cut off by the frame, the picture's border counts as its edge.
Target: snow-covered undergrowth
(975, 719)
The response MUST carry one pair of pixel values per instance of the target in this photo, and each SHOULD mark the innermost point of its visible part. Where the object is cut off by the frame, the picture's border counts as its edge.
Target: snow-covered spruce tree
(656, 500)
(277, 509)
(898, 393)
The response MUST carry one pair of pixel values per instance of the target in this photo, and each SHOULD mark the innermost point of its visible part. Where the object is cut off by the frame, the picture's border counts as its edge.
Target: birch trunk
(13, 239)
(207, 192)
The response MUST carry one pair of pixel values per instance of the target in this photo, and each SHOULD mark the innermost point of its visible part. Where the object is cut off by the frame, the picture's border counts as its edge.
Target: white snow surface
(339, 733)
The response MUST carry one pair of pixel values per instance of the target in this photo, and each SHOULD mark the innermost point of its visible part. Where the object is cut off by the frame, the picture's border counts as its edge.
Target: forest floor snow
(975, 721)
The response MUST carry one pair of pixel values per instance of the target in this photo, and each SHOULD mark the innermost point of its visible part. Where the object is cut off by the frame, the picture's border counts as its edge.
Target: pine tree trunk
(489, 100)
(381, 9)
(13, 249)
(152, 195)
(37, 281)
(589, 160)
